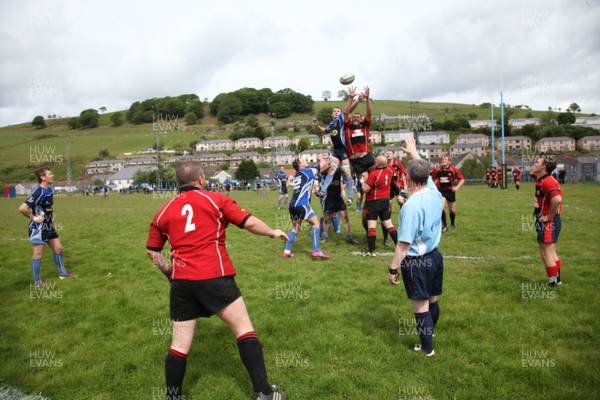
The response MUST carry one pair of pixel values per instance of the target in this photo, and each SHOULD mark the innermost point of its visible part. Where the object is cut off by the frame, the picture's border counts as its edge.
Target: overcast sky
(61, 57)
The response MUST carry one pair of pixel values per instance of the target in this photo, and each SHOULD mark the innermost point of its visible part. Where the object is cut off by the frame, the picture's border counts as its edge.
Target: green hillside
(23, 147)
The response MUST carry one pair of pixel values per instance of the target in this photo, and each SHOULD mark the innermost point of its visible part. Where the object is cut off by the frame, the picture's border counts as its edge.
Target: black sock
(452, 217)
(425, 329)
(444, 218)
(434, 309)
(394, 235)
(371, 239)
(252, 357)
(175, 364)
(385, 233)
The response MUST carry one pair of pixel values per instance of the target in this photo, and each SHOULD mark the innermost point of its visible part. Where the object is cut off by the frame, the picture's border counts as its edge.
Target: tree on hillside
(191, 118)
(342, 94)
(247, 170)
(324, 116)
(116, 119)
(197, 108)
(303, 144)
(73, 123)
(326, 95)
(88, 118)
(230, 109)
(103, 152)
(574, 107)
(281, 109)
(39, 122)
(565, 118)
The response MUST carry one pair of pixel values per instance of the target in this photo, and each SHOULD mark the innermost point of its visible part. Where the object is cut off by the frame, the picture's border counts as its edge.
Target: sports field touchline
(460, 257)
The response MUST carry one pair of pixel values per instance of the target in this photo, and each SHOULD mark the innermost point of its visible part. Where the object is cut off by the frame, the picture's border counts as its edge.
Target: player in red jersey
(548, 206)
(398, 189)
(444, 177)
(377, 191)
(517, 176)
(356, 131)
(202, 274)
(488, 177)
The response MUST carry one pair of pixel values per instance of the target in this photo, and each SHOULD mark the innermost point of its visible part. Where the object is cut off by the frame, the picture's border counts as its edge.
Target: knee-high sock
(60, 264)
(36, 266)
(385, 232)
(452, 217)
(326, 183)
(314, 236)
(252, 357)
(393, 234)
(371, 238)
(336, 222)
(444, 218)
(290, 242)
(349, 184)
(321, 220)
(425, 329)
(175, 364)
(434, 309)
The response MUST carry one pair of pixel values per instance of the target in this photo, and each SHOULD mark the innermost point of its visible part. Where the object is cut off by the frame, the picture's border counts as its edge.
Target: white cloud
(61, 56)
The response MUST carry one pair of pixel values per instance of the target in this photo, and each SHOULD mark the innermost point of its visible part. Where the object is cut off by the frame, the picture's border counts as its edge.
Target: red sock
(551, 271)
(558, 264)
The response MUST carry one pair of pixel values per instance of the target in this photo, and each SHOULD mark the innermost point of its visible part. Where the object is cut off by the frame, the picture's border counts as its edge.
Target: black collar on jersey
(188, 188)
(543, 177)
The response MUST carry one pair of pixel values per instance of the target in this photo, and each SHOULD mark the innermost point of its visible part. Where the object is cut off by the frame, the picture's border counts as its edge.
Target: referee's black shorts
(201, 299)
(423, 276)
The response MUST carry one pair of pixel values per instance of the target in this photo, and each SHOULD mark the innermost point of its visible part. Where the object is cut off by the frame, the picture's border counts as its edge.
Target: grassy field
(330, 330)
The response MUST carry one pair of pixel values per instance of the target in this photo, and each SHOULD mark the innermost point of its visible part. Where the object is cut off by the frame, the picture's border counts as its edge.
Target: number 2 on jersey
(189, 225)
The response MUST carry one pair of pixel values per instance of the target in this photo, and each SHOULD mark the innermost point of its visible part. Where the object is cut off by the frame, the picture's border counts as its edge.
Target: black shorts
(362, 164)
(548, 232)
(41, 233)
(449, 195)
(331, 205)
(423, 276)
(378, 208)
(196, 299)
(283, 190)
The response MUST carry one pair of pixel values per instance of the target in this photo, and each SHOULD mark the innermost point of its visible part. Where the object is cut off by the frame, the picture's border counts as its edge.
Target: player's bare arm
(27, 213)
(160, 261)
(258, 227)
(316, 124)
(411, 148)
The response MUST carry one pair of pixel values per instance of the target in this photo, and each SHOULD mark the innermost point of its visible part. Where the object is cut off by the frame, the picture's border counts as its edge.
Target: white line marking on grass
(456, 256)
(12, 239)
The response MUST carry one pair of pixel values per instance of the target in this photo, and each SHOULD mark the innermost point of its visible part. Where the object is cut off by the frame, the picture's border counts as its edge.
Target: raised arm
(411, 148)
(367, 95)
(320, 128)
(351, 104)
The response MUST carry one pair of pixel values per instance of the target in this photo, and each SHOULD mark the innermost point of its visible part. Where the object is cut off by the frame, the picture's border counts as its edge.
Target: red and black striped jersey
(444, 177)
(545, 189)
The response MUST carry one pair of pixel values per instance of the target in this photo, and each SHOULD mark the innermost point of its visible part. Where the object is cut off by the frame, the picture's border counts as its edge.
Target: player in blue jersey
(335, 129)
(227, 186)
(300, 208)
(417, 256)
(38, 209)
(281, 182)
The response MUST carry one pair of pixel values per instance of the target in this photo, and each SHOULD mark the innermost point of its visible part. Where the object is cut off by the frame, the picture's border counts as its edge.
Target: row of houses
(519, 123)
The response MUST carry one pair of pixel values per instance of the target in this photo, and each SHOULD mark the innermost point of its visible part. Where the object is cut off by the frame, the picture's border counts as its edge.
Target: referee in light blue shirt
(416, 255)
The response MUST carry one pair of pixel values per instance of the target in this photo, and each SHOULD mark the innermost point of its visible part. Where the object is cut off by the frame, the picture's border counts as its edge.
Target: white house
(589, 143)
(138, 162)
(481, 123)
(430, 151)
(433, 137)
(279, 157)
(473, 138)
(221, 176)
(215, 145)
(519, 123)
(237, 158)
(513, 142)
(248, 143)
(104, 166)
(397, 136)
(124, 178)
(553, 144)
(375, 137)
(212, 160)
(461, 148)
(278, 142)
(592, 122)
(312, 154)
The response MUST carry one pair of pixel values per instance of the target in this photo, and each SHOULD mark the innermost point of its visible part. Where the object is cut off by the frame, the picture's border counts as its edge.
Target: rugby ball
(347, 78)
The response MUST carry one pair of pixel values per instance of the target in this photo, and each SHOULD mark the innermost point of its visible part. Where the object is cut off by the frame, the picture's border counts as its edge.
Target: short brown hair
(188, 173)
(40, 172)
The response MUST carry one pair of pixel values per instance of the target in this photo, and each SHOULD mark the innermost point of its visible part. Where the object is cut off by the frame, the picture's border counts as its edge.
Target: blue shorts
(423, 276)
(340, 154)
(302, 213)
(548, 232)
(283, 190)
